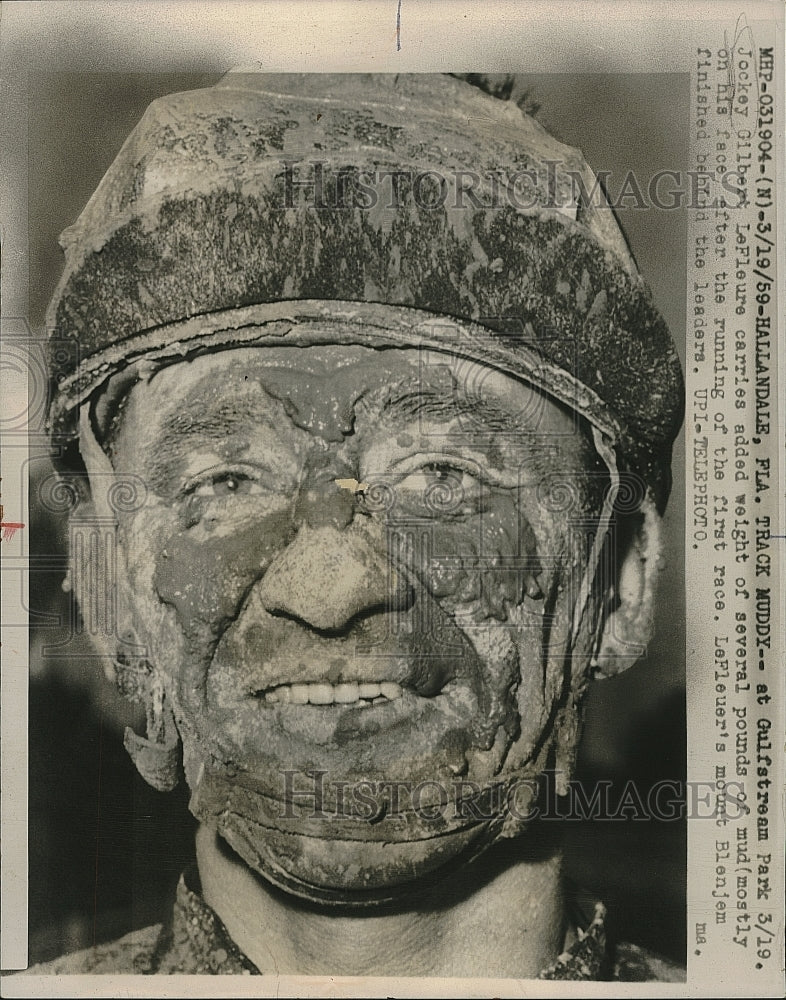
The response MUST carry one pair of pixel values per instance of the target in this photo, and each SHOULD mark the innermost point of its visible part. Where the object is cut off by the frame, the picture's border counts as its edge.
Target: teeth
(345, 694)
(299, 694)
(390, 690)
(328, 694)
(320, 694)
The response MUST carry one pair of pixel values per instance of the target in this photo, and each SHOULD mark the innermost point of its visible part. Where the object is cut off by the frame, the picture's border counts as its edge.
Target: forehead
(280, 398)
(240, 380)
(286, 407)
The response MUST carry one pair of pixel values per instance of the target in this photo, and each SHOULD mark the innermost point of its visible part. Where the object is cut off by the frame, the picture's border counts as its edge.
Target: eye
(430, 473)
(221, 483)
(442, 487)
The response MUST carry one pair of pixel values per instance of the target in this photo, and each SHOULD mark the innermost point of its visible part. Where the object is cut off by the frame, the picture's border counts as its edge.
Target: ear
(628, 628)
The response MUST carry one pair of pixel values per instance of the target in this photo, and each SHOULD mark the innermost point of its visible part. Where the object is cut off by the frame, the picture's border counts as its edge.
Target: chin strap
(157, 755)
(589, 581)
(565, 732)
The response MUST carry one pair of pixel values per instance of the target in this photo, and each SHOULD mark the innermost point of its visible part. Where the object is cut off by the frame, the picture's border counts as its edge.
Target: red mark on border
(9, 529)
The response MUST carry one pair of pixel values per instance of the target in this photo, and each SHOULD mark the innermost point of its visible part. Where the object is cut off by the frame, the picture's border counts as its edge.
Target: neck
(501, 917)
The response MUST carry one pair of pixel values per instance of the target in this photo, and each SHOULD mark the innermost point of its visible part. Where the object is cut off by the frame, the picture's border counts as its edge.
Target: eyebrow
(200, 420)
(411, 403)
(410, 399)
(215, 420)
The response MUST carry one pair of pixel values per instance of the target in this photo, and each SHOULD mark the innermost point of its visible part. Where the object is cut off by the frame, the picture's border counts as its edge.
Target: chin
(315, 852)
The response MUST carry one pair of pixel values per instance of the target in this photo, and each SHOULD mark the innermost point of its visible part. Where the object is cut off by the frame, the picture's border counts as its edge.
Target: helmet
(384, 210)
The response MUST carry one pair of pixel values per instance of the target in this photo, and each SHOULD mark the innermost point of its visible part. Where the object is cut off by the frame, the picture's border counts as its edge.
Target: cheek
(504, 581)
(489, 557)
(484, 571)
(205, 572)
(482, 567)
(187, 584)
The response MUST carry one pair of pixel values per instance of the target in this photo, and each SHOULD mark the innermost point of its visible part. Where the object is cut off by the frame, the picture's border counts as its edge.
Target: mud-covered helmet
(289, 209)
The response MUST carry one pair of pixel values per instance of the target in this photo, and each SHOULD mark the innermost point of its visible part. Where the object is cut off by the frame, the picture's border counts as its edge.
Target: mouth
(355, 728)
(363, 694)
(312, 703)
(337, 714)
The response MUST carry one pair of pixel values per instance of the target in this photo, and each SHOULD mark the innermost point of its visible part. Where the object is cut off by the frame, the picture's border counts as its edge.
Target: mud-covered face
(350, 578)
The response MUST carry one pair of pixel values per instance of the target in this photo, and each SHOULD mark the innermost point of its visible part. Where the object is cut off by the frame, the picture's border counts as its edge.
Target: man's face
(410, 626)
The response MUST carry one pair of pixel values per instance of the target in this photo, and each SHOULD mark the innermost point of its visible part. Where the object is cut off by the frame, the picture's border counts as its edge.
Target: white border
(329, 36)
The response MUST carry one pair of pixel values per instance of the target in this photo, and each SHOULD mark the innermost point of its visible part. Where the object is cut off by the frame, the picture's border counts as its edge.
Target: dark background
(105, 849)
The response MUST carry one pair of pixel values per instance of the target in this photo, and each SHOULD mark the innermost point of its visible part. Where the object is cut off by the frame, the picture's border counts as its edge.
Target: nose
(324, 504)
(326, 577)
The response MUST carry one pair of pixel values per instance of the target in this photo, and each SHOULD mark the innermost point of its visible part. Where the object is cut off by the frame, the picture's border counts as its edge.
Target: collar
(195, 941)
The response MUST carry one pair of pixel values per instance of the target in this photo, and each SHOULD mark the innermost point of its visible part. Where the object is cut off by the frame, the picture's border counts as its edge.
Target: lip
(361, 693)
(376, 740)
(336, 722)
(444, 708)
(426, 676)
(406, 701)
(373, 697)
